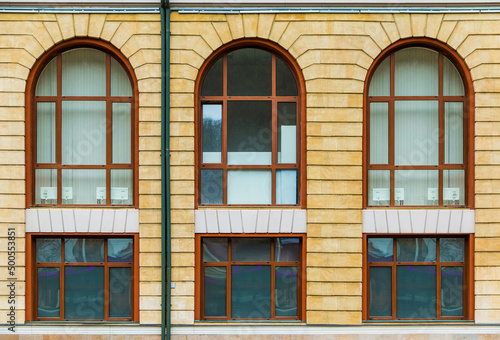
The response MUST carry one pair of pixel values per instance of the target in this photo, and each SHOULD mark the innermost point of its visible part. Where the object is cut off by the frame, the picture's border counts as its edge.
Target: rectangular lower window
(422, 278)
(84, 278)
(251, 278)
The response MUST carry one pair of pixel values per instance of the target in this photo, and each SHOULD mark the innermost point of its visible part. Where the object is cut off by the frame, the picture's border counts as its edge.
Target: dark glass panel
(250, 292)
(48, 250)
(120, 250)
(249, 72)
(84, 292)
(285, 81)
(287, 249)
(211, 186)
(48, 292)
(215, 249)
(416, 292)
(451, 249)
(120, 292)
(452, 291)
(251, 249)
(380, 291)
(416, 250)
(215, 291)
(83, 250)
(212, 85)
(380, 250)
(286, 291)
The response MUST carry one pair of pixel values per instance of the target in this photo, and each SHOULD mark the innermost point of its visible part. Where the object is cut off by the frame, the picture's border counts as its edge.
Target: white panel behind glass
(249, 187)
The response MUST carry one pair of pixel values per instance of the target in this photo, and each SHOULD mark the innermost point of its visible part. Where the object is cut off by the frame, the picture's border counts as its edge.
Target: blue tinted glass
(286, 291)
(380, 250)
(215, 291)
(380, 291)
(84, 292)
(48, 292)
(416, 292)
(120, 292)
(251, 292)
(452, 291)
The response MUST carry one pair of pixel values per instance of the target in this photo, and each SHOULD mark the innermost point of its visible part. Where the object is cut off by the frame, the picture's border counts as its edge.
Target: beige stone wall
(23, 39)
(335, 52)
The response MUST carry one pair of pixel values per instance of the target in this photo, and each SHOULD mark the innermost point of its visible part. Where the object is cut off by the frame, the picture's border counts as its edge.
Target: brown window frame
(32, 265)
(468, 280)
(31, 133)
(276, 51)
(199, 279)
(468, 125)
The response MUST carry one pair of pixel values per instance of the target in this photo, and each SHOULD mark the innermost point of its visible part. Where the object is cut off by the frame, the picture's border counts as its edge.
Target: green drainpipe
(165, 170)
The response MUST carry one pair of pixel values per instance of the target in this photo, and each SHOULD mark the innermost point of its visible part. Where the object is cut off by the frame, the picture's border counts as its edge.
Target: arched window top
(417, 128)
(250, 140)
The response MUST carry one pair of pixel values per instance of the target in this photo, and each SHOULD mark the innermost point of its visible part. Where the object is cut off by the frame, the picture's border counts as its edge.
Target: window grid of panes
(83, 278)
(83, 152)
(417, 278)
(249, 132)
(256, 278)
(417, 145)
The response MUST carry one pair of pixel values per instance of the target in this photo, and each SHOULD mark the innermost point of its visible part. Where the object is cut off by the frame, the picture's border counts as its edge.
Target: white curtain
(416, 72)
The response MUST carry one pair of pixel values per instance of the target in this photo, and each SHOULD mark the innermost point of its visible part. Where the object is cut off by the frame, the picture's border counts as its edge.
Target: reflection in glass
(120, 250)
(251, 249)
(212, 85)
(250, 292)
(451, 249)
(83, 250)
(212, 133)
(286, 291)
(286, 186)
(215, 249)
(379, 133)
(215, 291)
(48, 292)
(452, 291)
(416, 292)
(120, 292)
(211, 186)
(380, 250)
(249, 186)
(84, 184)
(287, 133)
(84, 292)
(379, 192)
(46, 132)
(48, 250)
(122, 133)
(380, 291)
(285, 81)
(83, 72)
(416, 249)
(420, 186)
(416, 72)
(287, 249)
(249, 72)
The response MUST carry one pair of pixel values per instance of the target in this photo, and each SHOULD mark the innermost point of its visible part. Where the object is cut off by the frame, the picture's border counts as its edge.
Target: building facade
(332, 170)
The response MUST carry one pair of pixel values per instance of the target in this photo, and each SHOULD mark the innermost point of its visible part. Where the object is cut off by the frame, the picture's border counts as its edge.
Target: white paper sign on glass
(399, 194)
(432, 194)
(100, 193)
(48, 193)
(119, 193)
(67, 193)
(451, 194)
(381, 194)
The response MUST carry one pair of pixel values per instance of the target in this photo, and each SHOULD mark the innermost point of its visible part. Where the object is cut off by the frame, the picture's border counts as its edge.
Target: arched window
(82, 101)
(249, 132)
(417, 128)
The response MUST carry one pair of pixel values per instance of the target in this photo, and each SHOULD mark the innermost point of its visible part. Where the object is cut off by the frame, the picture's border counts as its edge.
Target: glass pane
(416, 292)
(249, 186)
(48, 250)
(416, 72)
(286, 186)
(120, 82)
(215, 291)
(211, 186)
(285, 81)
(287, 133)
(416, 133)
(84, 292)
(84, 72)
(212, 133)
(249, 134)
(122, 186)
(420, 187)
(83, 250)
(453, 133)
(120, 292)
(86, 186)
(48, 293)
(286, 291)
(379, 133)
(287, 249)
(251, 249)
(380, 84)
(46, 132)
(452, 291)
(46, 186)
(121, 250)
(416, 249)
(215, 249)
(212, 85)
(380, 250)
(454, 187)
(380, 291)
(83, 132)
(47, 82)
(251, 292)
(452, 81)
(451, 249)
(122, 133)
(249, 72)
(379, 192)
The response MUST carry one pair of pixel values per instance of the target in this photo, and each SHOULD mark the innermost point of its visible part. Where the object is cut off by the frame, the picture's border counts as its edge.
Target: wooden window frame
(468, 281)
(32, 266)
(200, 266)
(468, 126)
(31, 133)
(276, 51)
